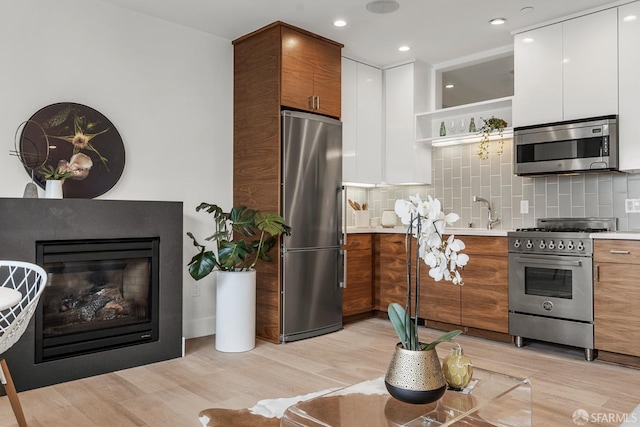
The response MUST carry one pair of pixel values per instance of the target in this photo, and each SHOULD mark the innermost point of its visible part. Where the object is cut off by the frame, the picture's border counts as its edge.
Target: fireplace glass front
(100, 294)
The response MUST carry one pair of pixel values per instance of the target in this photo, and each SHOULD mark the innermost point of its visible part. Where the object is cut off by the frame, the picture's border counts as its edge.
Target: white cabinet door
(590, 72)
(369, 106)
(629, 79)
(405, 160)
(361, 123)
(538, 76)
(349, 120)
(567, 71)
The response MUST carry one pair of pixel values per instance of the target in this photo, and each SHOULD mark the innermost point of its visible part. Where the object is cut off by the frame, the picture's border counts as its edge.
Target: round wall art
(82, 141)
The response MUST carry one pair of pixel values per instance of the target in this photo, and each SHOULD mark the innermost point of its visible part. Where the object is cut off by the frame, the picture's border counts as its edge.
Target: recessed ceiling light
(497, 21)
(340, 23)
(449, 86)
(383, 6)
(526, 9)
(404, 48)
(527, 40)
(629, 18)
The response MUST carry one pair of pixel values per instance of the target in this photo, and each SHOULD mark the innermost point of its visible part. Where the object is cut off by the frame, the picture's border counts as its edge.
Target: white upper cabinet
(629, 79)
(361, 123)
(537, 86)
(567, 70)
(406, 161)
(590, 73)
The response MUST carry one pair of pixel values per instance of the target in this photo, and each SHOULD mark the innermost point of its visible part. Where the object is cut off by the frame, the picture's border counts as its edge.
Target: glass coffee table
(494, 400)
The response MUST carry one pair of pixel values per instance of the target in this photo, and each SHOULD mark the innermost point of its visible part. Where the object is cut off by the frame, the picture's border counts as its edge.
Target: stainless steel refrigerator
(313, 262)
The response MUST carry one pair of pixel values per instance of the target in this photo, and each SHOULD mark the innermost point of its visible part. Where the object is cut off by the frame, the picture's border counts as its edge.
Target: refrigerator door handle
(343, 264)
(343, 207)
(342, 269)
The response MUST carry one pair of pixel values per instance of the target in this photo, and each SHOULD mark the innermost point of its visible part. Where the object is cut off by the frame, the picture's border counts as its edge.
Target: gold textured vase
(415, 376)
(457, 369)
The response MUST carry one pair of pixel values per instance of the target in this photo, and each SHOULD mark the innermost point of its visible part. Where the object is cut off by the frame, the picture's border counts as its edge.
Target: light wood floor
(172, 393)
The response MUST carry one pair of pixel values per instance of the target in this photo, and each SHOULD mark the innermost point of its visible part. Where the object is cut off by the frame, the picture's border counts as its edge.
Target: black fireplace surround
(28, 224)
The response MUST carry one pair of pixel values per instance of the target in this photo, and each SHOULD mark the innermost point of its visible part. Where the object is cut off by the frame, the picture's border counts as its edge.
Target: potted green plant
(488, 127)
(54, 178)
(415, 374)
(241, 237)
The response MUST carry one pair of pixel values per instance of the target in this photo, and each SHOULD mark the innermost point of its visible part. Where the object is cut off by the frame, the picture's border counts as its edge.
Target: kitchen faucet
(490, 219)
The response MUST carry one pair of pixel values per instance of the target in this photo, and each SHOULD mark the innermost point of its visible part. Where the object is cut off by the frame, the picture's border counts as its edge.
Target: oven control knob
(551, 245)
(580, 246)
(547, 306)
(560, 245)
(529, 244)
(517, 243)
(542, 244)
(570, 245)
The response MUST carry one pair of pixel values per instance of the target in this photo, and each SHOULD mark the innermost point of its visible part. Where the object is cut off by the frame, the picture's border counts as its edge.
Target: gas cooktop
(571, 225)
(559, 236)
(564, 230)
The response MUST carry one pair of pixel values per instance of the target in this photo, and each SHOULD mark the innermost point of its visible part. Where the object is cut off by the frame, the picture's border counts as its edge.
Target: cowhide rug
(268, 412)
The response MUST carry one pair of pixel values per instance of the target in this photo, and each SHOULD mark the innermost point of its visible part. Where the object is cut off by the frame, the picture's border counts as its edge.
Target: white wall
(167, 89)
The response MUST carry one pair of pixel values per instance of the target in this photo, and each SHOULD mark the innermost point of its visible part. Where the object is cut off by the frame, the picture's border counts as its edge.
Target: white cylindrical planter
(235, 311)
(53, 189)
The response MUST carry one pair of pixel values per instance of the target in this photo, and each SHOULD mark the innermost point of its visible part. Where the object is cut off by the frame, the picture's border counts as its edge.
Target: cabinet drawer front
(484, 245)
(358, 242)
(618, 251)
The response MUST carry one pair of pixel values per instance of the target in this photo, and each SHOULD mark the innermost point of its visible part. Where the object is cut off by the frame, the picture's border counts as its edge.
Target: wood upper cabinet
(616, 296)
(357, 296)
(311, 70)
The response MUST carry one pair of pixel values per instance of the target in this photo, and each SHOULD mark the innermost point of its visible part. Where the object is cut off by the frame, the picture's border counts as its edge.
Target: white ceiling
(438, 31)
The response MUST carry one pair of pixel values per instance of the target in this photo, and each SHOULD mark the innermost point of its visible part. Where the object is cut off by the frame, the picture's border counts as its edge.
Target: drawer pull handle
(619, 252)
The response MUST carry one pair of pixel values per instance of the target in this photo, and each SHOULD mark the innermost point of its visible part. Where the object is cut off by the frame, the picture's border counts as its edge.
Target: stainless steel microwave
(567, 147)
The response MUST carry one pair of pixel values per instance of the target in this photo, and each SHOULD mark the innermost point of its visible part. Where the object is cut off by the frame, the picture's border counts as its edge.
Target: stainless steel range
(551, 281)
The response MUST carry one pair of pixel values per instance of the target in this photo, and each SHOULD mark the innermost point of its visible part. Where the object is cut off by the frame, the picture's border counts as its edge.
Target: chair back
(28, 279)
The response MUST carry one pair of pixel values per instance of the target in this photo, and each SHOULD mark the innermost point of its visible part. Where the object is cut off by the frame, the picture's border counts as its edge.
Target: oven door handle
(549, 263)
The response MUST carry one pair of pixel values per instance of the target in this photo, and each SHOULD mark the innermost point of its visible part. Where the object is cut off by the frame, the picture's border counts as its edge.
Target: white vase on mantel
(53, 189)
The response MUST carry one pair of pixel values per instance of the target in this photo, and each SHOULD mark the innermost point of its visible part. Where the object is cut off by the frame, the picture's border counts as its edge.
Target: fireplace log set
(87, 307)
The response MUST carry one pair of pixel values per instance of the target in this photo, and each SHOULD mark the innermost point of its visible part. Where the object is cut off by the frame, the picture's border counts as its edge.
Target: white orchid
(427, 223)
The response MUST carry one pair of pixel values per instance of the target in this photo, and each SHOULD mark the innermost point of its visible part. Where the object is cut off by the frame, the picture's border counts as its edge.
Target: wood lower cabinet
(617, 296)
(481, 303)
(485, 294)
(390, 270)
(439, 301)
(357, 296)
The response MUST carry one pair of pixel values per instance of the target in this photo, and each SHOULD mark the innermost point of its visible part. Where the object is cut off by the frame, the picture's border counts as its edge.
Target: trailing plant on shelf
(426, 222)
(255, 233)
(487, 128)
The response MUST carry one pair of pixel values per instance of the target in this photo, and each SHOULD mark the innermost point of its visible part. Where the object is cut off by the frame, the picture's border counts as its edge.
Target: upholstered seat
(29, 280)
